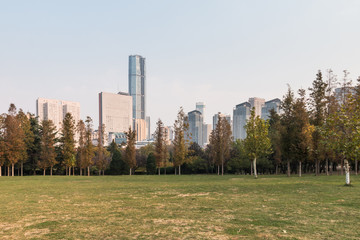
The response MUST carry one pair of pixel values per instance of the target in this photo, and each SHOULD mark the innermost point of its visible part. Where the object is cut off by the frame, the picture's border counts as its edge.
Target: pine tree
(81, 150)
(275, 138)
(68, 142)
(130, 151)
(47, 154)
(180, 143)
(89, 147)
(151, 164)
(257, 142)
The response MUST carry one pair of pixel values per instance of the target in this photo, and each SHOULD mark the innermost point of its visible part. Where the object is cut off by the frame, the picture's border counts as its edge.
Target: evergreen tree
(257, 142)
(81, 150)
(130, 151)
(151, 164)
(275, 129)
(47, 153)
(318, 110)
(160, 145)
(68, 142)
(89, 147)
(28, 139)
(102, 156)
(34, 148)
(117, 165)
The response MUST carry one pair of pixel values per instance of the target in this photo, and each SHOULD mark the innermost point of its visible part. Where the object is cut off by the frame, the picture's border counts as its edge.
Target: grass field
(179, 207)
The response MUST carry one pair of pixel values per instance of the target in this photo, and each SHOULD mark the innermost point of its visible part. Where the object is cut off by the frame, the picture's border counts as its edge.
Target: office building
(195, 119)
(257, 103)
(148, 130)
(241, 114)
(137, 89)
(273, 104)
(55, 110)
(207, 128)
(140, 128)
(200, 106)
(115, 112)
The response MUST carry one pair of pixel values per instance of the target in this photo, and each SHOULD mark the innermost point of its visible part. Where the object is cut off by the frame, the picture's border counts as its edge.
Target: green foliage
(117, 165)
(68, 141)
(151, 164)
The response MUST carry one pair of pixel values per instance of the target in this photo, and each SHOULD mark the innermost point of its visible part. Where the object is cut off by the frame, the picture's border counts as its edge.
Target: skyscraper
(195, 127)
(137, 80)
(240, 116)
(200, 106)
(257, 103)
(269, 105)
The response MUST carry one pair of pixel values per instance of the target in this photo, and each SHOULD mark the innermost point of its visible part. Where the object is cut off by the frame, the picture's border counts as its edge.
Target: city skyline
(232, 52)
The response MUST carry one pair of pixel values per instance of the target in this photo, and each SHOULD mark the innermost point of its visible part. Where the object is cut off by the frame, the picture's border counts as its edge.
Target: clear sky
(220, 52)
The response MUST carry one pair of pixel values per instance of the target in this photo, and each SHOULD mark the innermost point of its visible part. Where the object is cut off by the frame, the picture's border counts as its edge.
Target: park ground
(179, 207)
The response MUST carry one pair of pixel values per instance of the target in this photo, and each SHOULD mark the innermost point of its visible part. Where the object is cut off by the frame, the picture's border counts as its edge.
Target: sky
(221, 52)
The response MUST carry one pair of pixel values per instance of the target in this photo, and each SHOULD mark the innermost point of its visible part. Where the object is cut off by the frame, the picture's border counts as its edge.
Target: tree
(180, 143)
(68, 142)
(34, 148)
(220, 141)
(14, 138)
(303, 131)
(117, 164)
(28, 137)
(275, 129)
(318, 110)
(130, 151)
(81, 150)
(151, 164)
(257, 142)
(287, 129)
(2, 143)
(47, 153)
(89, 147)
(160, 145)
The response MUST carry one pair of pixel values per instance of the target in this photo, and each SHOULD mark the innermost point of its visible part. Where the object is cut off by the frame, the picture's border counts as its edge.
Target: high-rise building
(196, 122)
(148, 131)
(241, 114)
(216, 119)
(137, 89)
(257, 103)
(140, 128)
(115, 112)
(55, 110)
(206, 133)
(200, 106)
(273, 104)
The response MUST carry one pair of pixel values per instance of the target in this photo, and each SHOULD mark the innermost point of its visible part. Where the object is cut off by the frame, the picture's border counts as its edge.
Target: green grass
(179, 207)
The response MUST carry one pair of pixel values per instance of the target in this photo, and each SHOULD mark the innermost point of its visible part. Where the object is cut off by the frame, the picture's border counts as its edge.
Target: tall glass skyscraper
(137, 79)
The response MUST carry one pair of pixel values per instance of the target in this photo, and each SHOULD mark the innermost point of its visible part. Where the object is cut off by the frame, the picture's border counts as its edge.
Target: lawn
(179, 207)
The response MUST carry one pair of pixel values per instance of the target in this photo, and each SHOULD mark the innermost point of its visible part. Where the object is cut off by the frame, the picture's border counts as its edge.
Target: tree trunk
(276, 169)
(130, 172)
(254, 163)
(299, 168)
(327, 167)
(218, 170)
(288, 169)
(12, 169)
(159, 171)
(103, 172)
(51, 170)
(356, 166)
(22, 168)
(88, 173)
(80, 171)
(342, 166)
(8, 172)
(175, 170)
(44, 172)
(347, 171)
(179, 169)
(316, 167)
(222, 167)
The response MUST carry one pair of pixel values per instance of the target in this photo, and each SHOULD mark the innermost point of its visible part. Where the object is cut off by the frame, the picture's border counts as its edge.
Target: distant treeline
(317, 131)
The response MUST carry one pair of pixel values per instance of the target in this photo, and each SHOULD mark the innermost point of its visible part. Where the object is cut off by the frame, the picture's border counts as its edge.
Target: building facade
(258, 104)
(241, 114)
(115, 112)
(55, 110)
(137, 89)
(273, 104)
(196, 122)
(216, 119)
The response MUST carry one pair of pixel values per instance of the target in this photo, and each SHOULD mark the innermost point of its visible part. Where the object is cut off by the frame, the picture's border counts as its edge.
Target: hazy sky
(219, 52)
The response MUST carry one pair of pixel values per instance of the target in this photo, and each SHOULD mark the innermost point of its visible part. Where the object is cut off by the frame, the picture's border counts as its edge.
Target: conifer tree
(81, 150)
(257, 142)
(130, 151)
(318, 110)
(180, 143)
(160, 145)
(68, 142)
(47, 153)
(151, 164)
(89, 147)
(275, 138)
(25, 125)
